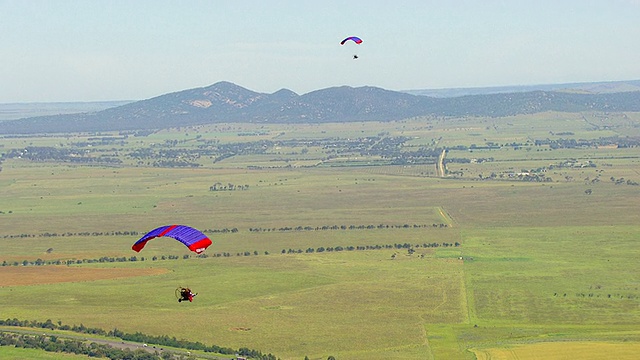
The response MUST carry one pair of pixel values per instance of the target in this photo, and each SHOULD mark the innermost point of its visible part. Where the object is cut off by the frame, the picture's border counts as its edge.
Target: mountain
(227, 102)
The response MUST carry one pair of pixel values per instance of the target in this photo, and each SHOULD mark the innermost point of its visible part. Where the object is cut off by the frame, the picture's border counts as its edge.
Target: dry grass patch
(20, 276)
(563, 350)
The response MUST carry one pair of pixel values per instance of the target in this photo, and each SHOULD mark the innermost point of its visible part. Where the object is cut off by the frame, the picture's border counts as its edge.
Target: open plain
(341, 240)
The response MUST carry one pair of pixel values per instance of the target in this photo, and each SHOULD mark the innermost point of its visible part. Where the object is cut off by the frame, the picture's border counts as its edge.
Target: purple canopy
(355, 39)
(194, 239)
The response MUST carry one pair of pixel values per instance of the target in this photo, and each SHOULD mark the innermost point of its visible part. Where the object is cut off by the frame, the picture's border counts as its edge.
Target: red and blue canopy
(192, 238)
(355, 39)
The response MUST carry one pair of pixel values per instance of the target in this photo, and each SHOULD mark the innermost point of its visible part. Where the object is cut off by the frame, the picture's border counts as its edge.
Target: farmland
(337, 239)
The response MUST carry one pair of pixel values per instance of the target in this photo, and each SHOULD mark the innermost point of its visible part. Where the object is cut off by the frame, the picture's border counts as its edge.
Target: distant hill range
(226, 102)
(604, 87)
(13, 111)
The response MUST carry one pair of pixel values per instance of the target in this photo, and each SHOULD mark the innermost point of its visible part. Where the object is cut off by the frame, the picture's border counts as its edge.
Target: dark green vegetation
(62, 338)
(411, 239)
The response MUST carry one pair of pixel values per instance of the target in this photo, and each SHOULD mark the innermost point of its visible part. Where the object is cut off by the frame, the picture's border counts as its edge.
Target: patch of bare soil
(36, 275)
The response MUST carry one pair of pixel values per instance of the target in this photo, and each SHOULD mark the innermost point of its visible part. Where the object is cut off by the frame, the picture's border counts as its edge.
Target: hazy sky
(90, 50)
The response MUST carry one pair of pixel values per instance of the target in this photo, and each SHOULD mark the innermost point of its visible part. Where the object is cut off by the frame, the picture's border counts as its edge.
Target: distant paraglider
(192, 238)
(355, 39)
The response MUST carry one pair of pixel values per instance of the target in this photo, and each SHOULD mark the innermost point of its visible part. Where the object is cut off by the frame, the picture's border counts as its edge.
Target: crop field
(555, 350)
(336, 240)
(34, 354)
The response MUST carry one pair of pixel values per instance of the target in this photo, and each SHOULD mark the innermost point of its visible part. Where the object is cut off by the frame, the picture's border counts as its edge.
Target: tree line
(68, 155)
(598, 295)
(347, 227)
(218, 186)
(407, 246)
(101, 233)
(235, 230)
(52, 342)
(106, 259)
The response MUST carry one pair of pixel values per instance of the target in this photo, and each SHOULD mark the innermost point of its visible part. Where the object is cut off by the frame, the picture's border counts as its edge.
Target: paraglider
(192, 238)
(355, 39)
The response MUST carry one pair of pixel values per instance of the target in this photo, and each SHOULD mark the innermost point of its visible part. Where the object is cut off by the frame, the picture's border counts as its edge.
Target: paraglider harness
(184, 294)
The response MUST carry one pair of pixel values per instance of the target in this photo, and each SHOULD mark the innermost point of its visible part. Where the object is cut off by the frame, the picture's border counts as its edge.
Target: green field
(336, 250)
(9, 353)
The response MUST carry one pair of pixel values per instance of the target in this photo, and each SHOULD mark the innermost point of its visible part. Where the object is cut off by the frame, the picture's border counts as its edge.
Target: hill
(227, 102)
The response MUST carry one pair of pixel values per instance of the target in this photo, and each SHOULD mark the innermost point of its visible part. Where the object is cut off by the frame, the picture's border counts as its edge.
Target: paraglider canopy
(195, 240)
(355, 39)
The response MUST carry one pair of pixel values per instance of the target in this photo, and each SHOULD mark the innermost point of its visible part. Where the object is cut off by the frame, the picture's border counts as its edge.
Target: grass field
(9, 353)
(555, 350)
(538, 269)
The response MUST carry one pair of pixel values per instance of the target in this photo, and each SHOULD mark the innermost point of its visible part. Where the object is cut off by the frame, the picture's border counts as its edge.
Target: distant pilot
(186, 294)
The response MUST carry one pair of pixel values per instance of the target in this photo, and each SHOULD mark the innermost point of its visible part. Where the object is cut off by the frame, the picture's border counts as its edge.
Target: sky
(102, 50)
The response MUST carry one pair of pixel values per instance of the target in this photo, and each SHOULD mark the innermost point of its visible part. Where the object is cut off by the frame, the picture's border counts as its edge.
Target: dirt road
(118, 344)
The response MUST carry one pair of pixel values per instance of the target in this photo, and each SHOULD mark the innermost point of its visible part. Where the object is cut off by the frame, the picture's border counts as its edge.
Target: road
(440, 164)
(118, 344)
